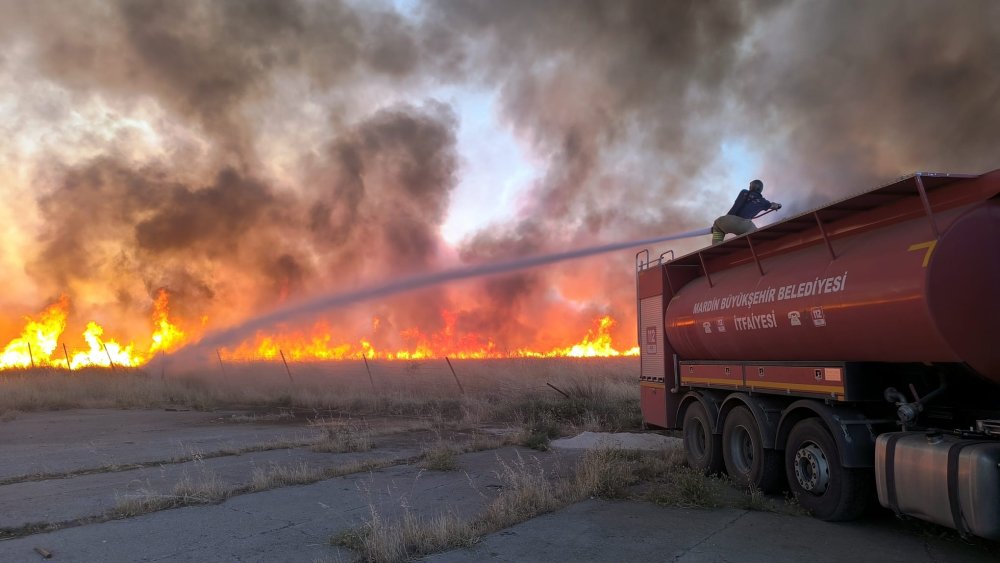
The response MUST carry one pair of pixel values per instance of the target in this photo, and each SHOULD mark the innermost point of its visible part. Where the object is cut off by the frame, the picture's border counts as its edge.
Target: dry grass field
(545, 396)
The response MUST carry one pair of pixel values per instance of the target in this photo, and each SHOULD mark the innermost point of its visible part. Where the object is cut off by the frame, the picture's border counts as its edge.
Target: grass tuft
(338, 437)
(607, 472)
(284, 475)
(441, 457)
(206, 490)
(684, 487)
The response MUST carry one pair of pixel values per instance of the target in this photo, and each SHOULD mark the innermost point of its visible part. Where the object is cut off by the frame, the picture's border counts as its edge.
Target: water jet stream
(332, 301)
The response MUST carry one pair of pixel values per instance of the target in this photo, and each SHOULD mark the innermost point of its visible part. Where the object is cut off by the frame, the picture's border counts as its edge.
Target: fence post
(110, 361)
(557, 389)
(454, 374)
(363, 357)
(288, 371)
(221, 365)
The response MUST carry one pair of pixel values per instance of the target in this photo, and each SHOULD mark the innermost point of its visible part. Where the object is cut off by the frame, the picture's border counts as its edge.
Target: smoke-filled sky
(242, 154)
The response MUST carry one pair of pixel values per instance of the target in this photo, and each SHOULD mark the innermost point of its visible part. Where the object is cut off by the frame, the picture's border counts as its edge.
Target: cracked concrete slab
(295, 523)
(62, 441)
(599, 530)
(288, 524)
(61, 500)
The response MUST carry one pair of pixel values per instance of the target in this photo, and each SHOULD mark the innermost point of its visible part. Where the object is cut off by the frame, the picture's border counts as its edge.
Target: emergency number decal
(650, 339)
(819, 319)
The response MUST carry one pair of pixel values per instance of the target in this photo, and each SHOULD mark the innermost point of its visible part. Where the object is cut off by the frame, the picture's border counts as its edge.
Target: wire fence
(437, 376)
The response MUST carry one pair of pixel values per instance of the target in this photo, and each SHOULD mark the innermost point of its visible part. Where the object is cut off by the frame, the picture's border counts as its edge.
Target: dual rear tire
(810, 464)
(702, 449)
(748, 463)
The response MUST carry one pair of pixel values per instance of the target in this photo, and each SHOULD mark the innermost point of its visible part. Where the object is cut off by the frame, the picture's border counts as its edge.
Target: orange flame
(39, 341)
(318, 345)
(103, 353)
(38, 344)
(39, 338)
(166, 335)
(596, 344)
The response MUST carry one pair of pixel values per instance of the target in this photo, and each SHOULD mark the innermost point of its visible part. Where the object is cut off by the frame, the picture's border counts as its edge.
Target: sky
(244, 154)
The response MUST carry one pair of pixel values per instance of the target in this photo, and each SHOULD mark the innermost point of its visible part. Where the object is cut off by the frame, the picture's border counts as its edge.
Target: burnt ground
(65, 475)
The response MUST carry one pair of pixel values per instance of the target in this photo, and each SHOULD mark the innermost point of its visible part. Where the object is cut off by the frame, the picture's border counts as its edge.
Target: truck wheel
(747, 462)
(822, 486)
(702, 448)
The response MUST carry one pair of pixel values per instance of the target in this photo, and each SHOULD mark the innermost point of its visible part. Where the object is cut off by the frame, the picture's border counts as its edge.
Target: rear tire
(821, 484)
(702, 448)
(747, 462)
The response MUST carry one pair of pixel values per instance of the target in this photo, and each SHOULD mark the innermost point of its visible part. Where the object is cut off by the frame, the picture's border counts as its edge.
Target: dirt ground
(70, 482)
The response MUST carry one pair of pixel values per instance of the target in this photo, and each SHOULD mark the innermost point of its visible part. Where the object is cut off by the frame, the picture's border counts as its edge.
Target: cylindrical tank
(892, 294)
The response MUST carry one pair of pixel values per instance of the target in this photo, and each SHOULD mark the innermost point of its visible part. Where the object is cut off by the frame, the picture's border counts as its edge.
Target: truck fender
(850, 429)
(765, 410)
(711, 402)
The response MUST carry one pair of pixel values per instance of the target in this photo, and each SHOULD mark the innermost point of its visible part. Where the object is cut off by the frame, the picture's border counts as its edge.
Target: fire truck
(850, 350)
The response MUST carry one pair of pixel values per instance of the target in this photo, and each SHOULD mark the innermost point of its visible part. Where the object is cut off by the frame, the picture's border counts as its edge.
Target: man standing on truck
(738, 220)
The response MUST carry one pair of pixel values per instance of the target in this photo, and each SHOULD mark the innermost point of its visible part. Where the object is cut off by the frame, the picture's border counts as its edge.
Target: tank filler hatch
(990, 427)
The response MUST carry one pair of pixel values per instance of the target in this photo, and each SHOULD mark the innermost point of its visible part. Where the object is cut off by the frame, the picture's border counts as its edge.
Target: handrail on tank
(826, 238)
(704, 269)
(760, 268)
(639, 264)
(664, 253)
(927, 205)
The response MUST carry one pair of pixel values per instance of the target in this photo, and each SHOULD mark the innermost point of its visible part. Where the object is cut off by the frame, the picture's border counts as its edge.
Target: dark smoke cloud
(587, 87)
(211, 218)
(846, 95)
(205, 60)
(387, 187)
(625, 103)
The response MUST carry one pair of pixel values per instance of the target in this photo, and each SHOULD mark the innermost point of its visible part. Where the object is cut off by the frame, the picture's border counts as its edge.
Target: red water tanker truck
(850, 348)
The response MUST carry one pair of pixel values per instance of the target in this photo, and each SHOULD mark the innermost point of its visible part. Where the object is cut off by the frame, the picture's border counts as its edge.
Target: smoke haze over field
(245, 154)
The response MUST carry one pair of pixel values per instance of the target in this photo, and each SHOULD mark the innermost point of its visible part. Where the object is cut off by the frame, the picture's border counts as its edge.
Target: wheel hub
(812, 469)
(697, 439)
(742, 450)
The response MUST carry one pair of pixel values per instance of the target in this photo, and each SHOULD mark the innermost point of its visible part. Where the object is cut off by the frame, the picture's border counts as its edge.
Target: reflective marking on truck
(837, 391)
(713, 381)
(928, 246)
